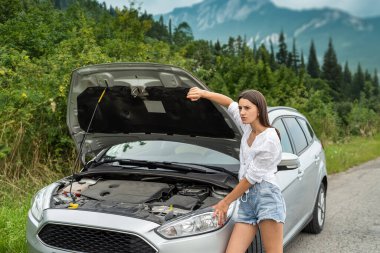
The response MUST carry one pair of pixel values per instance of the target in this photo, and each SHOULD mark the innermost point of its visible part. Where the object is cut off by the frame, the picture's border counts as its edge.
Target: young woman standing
(261, 203)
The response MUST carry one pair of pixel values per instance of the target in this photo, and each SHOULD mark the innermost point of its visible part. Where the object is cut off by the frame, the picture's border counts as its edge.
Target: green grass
(15, 200)
(356, 150)
(12, 224)
(15, 196)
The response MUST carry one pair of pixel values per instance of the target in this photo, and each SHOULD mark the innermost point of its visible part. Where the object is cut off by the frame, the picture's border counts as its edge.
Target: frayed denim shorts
(263, 201)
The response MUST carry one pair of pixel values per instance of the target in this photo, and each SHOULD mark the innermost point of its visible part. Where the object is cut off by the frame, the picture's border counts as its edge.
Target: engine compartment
(155, 199)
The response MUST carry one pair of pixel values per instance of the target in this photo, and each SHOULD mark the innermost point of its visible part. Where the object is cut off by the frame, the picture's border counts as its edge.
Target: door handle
(317, 158)
(300, 173)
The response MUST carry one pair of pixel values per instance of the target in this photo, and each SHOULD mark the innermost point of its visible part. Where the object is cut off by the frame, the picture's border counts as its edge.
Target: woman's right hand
(195, 93)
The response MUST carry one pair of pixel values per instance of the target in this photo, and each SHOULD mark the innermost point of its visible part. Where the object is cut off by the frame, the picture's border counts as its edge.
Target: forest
(43, 41)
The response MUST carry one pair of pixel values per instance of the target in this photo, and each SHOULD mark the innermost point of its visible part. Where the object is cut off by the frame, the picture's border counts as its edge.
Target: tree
(272, 56)
(332, 71)
(217, 48)
(347, 81)
(312, 63)
(282, 54)
(295, 57)
(376, 83)
(170, 32)
(9, 9)
(358, 83)
(302, 65)
(182, 34)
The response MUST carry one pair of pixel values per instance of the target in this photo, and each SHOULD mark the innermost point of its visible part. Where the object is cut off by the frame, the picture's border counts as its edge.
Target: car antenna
(82, 142)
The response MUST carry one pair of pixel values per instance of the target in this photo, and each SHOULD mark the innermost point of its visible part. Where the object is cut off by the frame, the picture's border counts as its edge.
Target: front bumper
(213, 242)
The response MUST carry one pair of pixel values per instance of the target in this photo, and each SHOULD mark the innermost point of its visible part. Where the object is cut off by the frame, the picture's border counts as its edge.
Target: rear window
(307, 130)
(297, 134)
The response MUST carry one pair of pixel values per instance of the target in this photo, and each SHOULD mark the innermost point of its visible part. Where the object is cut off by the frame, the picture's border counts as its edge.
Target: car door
(289, 183)
(311, 176)
(306, 173)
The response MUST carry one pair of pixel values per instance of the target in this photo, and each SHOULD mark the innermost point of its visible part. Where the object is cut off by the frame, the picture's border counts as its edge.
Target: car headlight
(196, 223)
(41, 201)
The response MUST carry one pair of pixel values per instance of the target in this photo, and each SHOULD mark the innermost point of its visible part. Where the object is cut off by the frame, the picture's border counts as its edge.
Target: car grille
(92, 240)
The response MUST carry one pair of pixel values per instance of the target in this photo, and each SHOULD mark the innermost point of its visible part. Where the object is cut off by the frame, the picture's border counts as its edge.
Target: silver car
(154, 164)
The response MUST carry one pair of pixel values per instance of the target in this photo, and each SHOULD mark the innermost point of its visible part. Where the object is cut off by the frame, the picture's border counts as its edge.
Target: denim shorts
(264, 201)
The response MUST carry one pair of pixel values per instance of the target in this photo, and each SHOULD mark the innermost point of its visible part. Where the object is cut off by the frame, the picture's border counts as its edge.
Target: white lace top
(259, 161)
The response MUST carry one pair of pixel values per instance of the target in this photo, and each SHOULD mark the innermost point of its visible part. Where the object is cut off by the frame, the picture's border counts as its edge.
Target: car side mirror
(288, 162)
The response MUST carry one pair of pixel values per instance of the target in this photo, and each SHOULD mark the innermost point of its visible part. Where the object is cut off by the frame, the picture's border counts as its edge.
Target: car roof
(277, 111)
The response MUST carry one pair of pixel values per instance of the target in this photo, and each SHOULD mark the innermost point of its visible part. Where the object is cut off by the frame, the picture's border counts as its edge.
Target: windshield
(168, 151)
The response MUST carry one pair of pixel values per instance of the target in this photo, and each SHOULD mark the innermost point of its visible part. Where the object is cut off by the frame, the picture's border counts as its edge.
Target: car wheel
(315, 226)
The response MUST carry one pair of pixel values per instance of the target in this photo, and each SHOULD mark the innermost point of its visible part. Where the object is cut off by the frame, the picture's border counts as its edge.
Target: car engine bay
(156, 199)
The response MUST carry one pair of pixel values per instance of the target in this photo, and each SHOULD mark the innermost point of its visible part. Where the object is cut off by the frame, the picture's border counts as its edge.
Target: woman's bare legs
(271, 235)
(241, 237)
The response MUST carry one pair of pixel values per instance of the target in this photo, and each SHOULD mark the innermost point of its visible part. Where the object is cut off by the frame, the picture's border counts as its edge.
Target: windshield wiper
(212, 167)
(149, 164)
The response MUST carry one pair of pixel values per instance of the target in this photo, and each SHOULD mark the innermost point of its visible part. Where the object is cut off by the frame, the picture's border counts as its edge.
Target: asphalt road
(353, 214)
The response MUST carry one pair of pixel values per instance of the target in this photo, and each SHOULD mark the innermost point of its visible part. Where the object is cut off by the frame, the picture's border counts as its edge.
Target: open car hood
(144, 101)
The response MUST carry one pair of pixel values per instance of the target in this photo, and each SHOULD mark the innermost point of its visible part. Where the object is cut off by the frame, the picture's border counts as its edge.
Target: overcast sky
(360, 8)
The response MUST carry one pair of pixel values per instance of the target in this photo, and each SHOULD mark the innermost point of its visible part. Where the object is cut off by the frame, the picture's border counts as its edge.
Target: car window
(285, 141)
(296, 134)
(169, 151)
(306, 129)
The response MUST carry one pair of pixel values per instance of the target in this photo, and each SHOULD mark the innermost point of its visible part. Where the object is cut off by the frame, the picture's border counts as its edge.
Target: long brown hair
(258, 99)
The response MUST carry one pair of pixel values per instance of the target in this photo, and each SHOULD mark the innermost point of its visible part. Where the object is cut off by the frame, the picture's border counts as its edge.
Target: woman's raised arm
(195, 93)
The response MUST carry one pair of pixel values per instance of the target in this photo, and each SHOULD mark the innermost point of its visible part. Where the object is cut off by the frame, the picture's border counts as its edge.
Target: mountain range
(355, 40)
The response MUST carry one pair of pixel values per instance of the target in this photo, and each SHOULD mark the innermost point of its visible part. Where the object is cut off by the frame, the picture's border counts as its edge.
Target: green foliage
(332, 72)
(363, 121)
(42, 45)
(312, 63)
(36, 31)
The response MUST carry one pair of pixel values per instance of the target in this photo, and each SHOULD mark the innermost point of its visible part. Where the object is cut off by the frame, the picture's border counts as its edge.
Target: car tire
(317, 222)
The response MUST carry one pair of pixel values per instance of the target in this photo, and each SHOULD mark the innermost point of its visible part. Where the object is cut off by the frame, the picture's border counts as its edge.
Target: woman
(261, 203)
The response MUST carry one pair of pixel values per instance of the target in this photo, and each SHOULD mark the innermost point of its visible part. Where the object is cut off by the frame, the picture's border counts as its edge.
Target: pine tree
(254, 50)
(239, 47)
(170, 31)
(376, 83)
(272, 57)
(289, 60)
(347, 81)
(295, 57)
(312, 63)
(358, 83)
(302, 65)
(218, 48)
(231, 46)
(282, 54)
(332, 71)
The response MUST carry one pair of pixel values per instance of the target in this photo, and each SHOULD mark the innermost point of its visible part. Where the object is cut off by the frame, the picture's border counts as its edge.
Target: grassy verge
(356, 150)
(15, 200)
(15, 197)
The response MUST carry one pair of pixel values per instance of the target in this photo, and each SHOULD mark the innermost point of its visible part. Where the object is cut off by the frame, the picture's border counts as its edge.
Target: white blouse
(259, 161)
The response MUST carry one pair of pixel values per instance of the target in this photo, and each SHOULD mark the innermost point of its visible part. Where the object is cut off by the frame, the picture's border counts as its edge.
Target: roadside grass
(12, 223)
(15, 196)
(352, 152)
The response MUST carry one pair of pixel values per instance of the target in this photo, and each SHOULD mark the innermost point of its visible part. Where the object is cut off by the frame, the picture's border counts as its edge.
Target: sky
(360, 8)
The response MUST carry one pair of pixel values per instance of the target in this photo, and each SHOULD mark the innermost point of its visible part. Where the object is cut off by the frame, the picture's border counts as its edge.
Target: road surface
(353, 214)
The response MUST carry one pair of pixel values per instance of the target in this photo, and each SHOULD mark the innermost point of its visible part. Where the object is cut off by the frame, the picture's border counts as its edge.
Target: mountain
(355, 39)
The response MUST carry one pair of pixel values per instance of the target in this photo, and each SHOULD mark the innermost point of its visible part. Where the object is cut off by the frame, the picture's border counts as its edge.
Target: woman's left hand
(220, 211)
